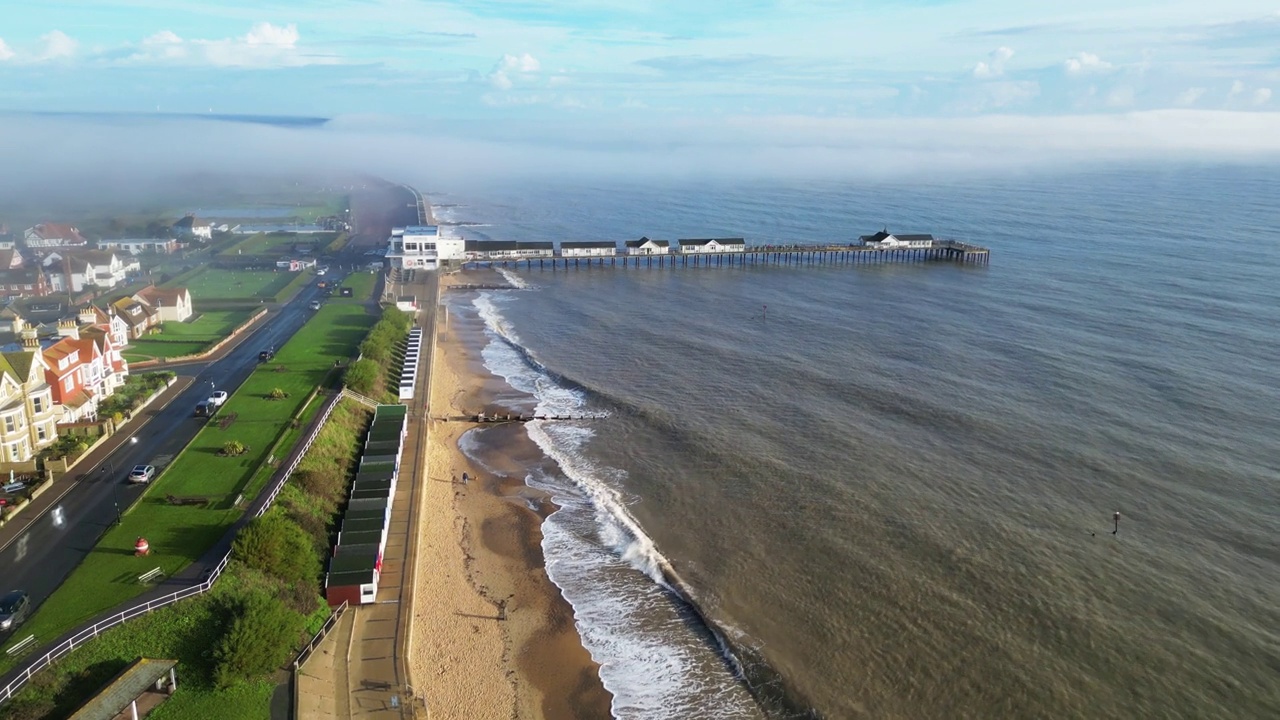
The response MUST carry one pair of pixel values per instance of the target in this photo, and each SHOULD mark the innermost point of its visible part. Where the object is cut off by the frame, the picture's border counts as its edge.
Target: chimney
(18, 324)
(88, 316)
(68, 328)
(29, 339)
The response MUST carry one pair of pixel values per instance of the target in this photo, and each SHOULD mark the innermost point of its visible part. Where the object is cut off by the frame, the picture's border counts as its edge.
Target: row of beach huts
(355, 564)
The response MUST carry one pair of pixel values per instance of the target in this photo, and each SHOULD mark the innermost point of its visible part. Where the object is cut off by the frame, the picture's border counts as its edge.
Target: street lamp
(110, 470)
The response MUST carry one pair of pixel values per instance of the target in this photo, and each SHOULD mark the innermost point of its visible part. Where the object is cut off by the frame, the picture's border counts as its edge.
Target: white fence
(89, 633)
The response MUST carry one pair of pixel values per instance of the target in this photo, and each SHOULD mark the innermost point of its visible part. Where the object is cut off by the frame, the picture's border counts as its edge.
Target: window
(41, 433)
(13, 452)
(37, 404)
(9, 424)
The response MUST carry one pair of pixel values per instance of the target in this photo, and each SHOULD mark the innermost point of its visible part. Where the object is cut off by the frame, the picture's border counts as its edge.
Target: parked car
(266, 356)
(14, 487)
(344, 292)
(315, 305)
(205, 409)
(218, 397)
(142, 473)
(14, 608)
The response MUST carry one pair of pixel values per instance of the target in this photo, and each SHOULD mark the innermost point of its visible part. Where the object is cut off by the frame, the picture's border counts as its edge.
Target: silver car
(14, 608)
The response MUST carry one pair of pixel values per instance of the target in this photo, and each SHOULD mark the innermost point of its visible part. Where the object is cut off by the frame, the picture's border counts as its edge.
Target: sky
(965, 77)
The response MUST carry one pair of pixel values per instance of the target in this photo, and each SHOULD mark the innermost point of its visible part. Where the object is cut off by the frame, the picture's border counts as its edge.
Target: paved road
(41, 549)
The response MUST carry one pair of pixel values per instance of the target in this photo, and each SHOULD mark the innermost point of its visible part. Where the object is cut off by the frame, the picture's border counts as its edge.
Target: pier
(794, 255)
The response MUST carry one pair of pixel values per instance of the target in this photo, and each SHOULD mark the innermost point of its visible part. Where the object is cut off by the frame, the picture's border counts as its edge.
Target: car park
(142, 473)
(14, 608)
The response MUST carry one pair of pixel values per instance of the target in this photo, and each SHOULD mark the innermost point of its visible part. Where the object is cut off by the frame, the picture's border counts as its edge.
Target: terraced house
(28, 418)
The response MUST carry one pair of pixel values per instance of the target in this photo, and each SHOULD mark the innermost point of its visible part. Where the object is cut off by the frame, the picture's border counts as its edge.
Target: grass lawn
(178, 339)
(188, 630)
(180, 534)
(214, 284)
(184, 631)
(277, 242)
(362, 284)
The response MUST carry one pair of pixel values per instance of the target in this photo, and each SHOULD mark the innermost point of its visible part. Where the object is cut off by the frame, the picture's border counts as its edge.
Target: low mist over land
(126, 156)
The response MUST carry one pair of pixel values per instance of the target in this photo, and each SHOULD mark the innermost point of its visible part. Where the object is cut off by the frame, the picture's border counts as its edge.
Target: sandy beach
(492, 636)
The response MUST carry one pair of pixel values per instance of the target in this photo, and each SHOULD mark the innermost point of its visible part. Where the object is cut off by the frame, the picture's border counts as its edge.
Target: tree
(362, 376)
(278, 547)
(261, 636)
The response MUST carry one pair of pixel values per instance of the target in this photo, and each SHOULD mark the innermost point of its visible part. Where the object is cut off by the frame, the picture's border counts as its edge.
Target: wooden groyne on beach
(513, 418)
(940, 250)
(480, 286)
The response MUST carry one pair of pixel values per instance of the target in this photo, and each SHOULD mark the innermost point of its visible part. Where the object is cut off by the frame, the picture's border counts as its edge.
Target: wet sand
(493, 638)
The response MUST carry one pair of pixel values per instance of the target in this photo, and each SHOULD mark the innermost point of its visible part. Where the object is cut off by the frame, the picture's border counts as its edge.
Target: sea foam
(607, 568)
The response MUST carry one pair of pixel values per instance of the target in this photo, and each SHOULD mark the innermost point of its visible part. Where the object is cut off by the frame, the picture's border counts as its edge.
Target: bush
(328, 484)
(277, 394)
(232, 448)
(279, 548)
(362, 376)
(262, 635)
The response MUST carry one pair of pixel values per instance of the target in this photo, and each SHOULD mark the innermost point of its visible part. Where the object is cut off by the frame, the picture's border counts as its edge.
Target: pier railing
(783, 254)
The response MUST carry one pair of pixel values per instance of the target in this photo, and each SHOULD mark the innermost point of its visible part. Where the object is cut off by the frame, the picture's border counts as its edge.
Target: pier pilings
(783, 255)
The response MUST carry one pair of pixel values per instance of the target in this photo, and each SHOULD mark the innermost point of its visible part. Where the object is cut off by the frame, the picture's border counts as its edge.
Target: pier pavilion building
(422, 247)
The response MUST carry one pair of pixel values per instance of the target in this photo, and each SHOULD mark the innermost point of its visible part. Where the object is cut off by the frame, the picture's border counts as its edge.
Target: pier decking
(941, 250)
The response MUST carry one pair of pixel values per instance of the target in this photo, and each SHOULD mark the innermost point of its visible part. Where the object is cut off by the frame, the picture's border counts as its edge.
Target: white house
(423, 247)
(191, 226)
(171, 304)
(139, 246)
(713, 245)
(885, 239)
(645, 246)
(50, 235)
(75, 271)
(588, 248)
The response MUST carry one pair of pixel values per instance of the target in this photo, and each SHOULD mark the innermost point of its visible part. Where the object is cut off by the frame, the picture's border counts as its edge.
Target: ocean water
(892, 495)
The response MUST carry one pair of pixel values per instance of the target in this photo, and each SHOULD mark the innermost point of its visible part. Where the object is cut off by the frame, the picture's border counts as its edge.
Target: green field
(179, 534)
(215, 284)
(276, 243)
(190, 630)
(187, 338)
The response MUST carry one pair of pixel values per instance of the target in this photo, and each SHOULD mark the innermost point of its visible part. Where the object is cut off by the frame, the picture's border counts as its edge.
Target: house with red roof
(52, 235)
(74, 372)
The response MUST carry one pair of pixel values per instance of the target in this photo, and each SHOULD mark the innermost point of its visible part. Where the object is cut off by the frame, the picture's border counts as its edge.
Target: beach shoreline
(494, 637)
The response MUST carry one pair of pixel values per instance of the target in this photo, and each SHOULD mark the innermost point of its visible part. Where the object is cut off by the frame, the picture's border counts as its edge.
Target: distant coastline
(275, 120)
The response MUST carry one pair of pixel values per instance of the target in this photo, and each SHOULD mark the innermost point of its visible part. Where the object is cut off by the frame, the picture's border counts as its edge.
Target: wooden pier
(941, 250)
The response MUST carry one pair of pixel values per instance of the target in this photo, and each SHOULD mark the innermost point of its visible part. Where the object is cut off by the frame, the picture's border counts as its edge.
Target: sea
(890, 491)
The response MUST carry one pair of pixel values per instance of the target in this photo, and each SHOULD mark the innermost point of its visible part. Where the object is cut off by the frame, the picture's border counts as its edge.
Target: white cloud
(994, 65)
(1189, 97)
(166, 44)
(5, 52)
(56, 45)
(264, 46)
(1261, 96)
(1120, 97)
(1084, 63)
(265, 33)
(511, 68)
(1237, 87)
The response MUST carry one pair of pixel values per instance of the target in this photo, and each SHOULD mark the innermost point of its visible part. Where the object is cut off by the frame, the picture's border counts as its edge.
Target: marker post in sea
(1116, 518)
